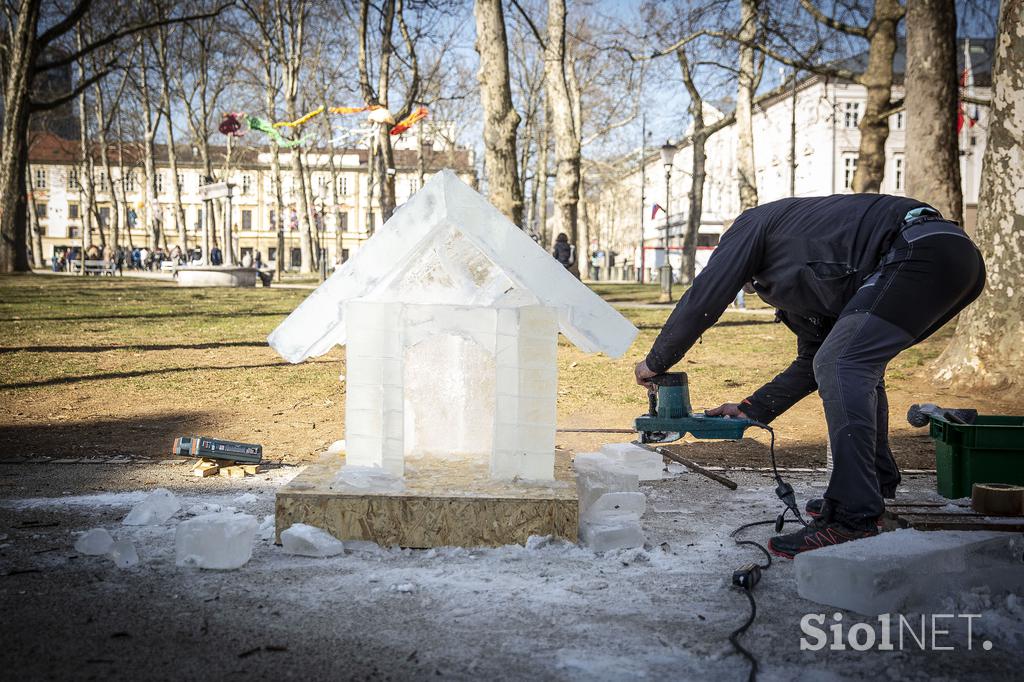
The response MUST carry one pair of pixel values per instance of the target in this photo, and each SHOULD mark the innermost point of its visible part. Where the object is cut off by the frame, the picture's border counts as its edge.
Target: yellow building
(56, 170)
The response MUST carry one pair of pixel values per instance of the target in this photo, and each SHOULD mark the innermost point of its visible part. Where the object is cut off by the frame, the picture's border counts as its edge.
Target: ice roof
(448, 244)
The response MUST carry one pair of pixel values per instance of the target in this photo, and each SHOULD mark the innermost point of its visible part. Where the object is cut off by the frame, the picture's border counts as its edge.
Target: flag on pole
(655, 209)
(966, 112)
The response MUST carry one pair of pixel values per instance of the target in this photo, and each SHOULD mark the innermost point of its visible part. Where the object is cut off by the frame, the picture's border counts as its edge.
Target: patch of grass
(104, 365)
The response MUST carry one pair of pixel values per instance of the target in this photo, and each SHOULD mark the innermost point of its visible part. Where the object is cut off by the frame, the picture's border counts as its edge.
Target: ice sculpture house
(450, 316)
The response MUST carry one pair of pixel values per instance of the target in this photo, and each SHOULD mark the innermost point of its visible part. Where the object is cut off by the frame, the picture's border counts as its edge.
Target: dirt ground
(103, 367)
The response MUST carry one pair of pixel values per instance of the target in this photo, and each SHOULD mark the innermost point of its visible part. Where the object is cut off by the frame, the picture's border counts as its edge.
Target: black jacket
(806, 257)
(563, 253)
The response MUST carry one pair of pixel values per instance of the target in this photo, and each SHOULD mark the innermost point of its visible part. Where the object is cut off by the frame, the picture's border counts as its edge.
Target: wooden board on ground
(444, 504)
(951, 516)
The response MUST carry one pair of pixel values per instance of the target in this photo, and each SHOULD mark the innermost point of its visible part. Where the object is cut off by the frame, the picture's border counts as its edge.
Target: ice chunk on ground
(219, 541)
(363, 546)
(368, 478)
(618, 534)
(94, 542)
(597, 474)
(336, 448)
(154, 509)
(647, 465)
(123, 553)
(242, 500)
(909, 570)
(267, 527)
(610, 506)
(310, 541)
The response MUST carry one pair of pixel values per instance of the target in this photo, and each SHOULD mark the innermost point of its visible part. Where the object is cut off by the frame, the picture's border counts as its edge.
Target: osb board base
(443, 504)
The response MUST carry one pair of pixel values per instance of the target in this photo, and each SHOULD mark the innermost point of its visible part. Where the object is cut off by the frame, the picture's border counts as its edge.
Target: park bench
(93, 267)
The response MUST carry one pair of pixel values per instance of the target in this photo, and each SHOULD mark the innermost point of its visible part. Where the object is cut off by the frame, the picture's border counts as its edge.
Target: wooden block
(444, 504)
(233, 472)
(204, 468)
(253, 469)
(998, 499)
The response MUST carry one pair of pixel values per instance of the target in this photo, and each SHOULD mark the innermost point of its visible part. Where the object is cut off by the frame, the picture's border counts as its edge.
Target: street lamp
(668, 152)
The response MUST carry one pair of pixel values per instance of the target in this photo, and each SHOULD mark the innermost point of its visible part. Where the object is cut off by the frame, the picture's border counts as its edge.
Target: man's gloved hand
(726, 410)
(643, 374)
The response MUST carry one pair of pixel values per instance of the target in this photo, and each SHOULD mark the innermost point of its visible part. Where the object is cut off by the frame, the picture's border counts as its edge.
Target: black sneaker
(813, 507)
(824, 531)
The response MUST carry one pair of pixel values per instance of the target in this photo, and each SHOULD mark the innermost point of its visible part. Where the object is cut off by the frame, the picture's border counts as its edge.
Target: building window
(897, 173)
(343, 217)
(272, 254)
(321, 185)
(296, 261)
(199, 219)
(129, 182)
(414, 185)
(101, 182)
(849, 168)
(181, 181)
(900, 120)
(159, 183)
(40, 211)
(40, 178)
(73, 212)
(73, 179)
(343, 185)
(851, 114)
(246, 183)
(246, 219)
(104, 216)
(74, 231)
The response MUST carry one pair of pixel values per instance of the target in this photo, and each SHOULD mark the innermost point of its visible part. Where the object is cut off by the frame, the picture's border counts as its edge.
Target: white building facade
(825, 138)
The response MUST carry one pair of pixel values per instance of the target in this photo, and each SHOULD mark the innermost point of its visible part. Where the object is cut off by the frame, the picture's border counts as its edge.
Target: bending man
(858, 278)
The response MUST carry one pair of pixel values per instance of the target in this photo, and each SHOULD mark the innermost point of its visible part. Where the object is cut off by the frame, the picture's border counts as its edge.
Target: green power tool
(671, 416)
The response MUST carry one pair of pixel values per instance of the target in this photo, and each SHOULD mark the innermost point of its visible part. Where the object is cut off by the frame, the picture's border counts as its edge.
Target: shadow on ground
(150, 436)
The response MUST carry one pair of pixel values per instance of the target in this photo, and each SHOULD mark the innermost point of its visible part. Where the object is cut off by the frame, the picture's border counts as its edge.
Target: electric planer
(671, 416)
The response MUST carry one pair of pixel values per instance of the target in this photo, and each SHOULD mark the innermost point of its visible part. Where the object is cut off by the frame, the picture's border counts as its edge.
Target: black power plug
(746, 576)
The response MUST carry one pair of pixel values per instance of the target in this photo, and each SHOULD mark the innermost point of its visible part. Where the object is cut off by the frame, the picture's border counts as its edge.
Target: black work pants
(932, 272)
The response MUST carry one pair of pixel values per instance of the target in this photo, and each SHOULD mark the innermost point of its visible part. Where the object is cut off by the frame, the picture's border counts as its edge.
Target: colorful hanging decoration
(301, 120)
(235, 124)
(267, 127)
(409, 121)
(232, 124)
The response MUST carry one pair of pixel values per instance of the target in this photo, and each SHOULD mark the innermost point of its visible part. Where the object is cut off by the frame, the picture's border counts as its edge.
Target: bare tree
(500, 119)
(381, 151)
(23, 58)
(746, 84)
(986, 351)
(933, 160)
(165, 66)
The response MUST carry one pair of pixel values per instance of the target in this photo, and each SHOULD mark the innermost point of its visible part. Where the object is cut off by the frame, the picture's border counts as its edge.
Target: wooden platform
(443, 504)
(950, 516)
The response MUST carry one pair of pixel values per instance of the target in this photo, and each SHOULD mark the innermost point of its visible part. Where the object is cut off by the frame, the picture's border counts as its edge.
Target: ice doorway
(449, 398)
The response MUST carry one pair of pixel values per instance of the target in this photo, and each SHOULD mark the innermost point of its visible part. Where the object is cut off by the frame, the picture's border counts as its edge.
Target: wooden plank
(445, 503)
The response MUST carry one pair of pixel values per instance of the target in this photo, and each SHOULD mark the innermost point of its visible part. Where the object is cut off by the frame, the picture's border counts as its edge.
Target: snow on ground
(550, 610)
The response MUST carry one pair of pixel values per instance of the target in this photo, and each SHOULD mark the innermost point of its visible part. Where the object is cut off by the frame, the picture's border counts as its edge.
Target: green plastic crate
(991, 450)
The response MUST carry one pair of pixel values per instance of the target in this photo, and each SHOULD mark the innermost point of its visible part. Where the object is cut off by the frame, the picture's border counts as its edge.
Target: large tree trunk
(877, 78)
(541, 182)
(745, 84)
(987, 350)
(85, 177)
(500, 118)
(21, 49)
(565, 126)
(688, 267)
(933, 157)
(299, 194)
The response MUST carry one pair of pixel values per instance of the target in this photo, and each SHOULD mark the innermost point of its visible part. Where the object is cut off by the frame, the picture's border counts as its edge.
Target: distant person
(119, 260)
(93, 253)
(176, 255)
(258, 260)
(216, 257)
(563, 251)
